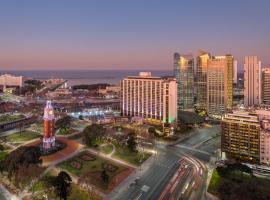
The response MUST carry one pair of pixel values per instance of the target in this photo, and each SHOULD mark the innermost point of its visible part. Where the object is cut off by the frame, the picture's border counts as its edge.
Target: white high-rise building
(152, 98)
(252, 81)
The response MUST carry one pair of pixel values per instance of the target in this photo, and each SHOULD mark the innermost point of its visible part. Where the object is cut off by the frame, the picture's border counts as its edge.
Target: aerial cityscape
(134, 100)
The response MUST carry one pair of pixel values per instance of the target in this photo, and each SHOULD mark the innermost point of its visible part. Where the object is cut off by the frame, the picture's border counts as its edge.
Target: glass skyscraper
(184, 74)
(201, 80)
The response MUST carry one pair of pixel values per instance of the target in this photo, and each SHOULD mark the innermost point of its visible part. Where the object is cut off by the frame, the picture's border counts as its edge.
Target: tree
(24, 155)
(63, 122)
(2, 148)
(131, 142)
(92, 133)
(27, 173)
(105, 176)
(21, 126)
(62, 185)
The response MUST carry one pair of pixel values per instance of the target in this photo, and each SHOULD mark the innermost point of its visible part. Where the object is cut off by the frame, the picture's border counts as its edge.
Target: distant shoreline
(79, 77)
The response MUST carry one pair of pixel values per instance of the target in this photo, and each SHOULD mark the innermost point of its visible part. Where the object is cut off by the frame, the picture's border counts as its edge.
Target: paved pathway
(6, 195)
(113, 150)
(111, 158)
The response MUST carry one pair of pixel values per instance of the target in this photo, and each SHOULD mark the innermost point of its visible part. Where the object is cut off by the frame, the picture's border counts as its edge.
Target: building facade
(219, 85)
(265, 142)
(184, 74)
(265, 86)
(252, 81)
(8, 80)
(235, 71)
(154, 99)
(201, 80)
(240, 138)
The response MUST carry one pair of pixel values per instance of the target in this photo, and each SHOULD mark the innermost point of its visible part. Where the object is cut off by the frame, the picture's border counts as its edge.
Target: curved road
(150, 180)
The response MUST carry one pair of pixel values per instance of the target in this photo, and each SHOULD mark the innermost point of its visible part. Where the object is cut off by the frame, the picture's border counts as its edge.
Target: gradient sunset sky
(128, 34)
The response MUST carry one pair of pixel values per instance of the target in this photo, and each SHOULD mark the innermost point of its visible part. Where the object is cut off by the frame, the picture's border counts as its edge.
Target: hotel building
(201, 80)
(266, 86)
(184, 74)
(240, 138)
(8, 80)
(219, 85)
(252, 81)
(151, 98)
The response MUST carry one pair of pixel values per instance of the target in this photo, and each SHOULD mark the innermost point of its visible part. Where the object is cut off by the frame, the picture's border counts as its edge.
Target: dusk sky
(128, 34)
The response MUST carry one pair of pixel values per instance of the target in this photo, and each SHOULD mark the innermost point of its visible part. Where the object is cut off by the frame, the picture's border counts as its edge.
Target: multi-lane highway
(182, 165)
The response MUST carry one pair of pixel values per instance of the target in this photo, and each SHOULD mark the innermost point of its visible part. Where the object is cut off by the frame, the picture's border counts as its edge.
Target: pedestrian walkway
(110, 157)
(6, 195)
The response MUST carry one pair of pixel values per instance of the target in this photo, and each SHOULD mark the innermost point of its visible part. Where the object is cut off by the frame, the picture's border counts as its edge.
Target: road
(150, 183)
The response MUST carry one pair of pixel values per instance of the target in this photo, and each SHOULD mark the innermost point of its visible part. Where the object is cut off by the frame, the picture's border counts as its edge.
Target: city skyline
(128, 35)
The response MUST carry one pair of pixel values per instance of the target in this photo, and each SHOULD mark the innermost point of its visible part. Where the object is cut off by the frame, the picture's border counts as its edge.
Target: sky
(128, 34)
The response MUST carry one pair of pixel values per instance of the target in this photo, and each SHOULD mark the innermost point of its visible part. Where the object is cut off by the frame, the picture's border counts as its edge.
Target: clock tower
(48, 135)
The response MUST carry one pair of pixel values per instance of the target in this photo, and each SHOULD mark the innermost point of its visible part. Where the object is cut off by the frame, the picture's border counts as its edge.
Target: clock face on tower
(51, 112)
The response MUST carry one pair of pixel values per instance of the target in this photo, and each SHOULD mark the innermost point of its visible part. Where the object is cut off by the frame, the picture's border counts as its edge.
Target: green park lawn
(234, 184)
(20, 137)
(9, 118)
(3, 154)
(80, 194)
(214, 183)
(67, 131)
(79, 124)
(105, 148)
(38, 127)
(125, 154)
(89, 167)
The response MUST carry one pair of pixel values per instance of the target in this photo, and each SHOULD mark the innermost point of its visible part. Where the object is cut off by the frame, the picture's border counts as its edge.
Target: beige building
(265, 86)
(240, 138)
(265, 142)
(252, 81)
(8, 80)
(219, 85)
(152, 98)
(264, 118)
(201, 80)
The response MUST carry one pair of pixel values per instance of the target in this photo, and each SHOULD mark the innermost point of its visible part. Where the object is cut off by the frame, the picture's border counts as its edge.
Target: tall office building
(219, 85)
(240, 138)
(184, 74)
(201, 80)
(252, 81)
(151, 98)
(265, 86)
(235, 71)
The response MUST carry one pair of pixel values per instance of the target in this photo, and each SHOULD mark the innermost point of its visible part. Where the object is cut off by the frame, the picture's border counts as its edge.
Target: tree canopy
(131, 142)
(63, 122)
(92, 133)
(62, 184)
(22, 156)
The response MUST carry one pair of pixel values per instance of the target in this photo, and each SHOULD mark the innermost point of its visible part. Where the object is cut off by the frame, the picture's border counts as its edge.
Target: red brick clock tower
(48, 135)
